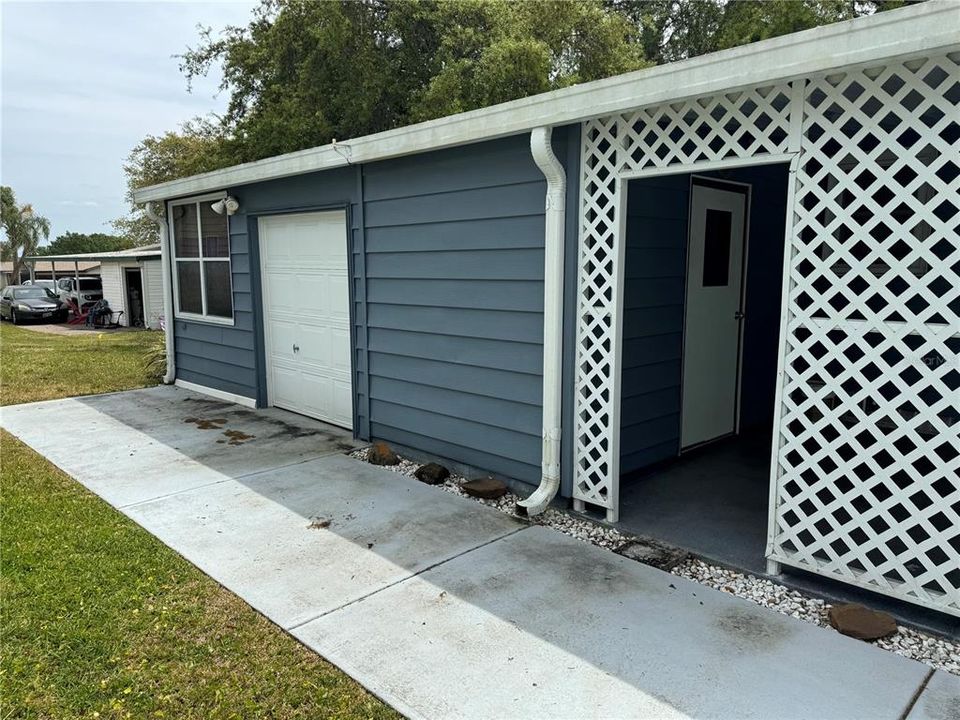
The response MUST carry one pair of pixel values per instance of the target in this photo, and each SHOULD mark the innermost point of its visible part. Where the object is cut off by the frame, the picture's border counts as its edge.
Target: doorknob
(738, 315)
(296, 348)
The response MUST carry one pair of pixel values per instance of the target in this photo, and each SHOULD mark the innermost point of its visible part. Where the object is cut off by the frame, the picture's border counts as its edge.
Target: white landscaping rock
(936, 652)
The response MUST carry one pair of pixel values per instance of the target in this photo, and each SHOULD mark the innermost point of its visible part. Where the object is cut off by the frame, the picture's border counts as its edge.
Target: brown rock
(432, 474)
(381, 454)
(861, 622)
(487, 488)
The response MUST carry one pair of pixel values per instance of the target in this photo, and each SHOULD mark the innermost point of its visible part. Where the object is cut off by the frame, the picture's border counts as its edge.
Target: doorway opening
(134, 296)
(703, 278)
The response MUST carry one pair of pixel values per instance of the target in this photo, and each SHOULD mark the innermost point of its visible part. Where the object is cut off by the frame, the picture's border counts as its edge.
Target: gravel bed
(936, 652)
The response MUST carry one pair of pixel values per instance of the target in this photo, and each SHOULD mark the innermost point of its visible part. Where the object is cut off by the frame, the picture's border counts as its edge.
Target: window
(201, 261)
(716, 248)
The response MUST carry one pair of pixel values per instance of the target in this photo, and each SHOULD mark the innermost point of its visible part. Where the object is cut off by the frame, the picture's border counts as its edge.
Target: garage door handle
(296, 348)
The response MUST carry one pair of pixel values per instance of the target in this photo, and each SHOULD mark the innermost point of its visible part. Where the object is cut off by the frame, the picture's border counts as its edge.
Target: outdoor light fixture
(228, 203)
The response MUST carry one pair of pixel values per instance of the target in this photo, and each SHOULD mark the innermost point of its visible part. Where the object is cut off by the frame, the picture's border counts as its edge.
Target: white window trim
(198, 317)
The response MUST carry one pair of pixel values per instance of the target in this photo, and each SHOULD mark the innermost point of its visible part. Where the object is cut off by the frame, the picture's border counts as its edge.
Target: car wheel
(13, 317)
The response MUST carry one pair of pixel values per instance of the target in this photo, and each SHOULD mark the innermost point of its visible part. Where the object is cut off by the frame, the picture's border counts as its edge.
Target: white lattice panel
(867, 488)
(736, 124)
(866, 485)
(597, 344)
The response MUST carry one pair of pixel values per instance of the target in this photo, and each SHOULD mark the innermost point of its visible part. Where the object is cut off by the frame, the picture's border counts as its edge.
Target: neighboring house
(760, 242)
(45, 270)
(132, 281)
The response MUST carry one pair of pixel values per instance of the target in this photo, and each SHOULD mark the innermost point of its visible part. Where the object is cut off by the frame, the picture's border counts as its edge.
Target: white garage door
(307, 314)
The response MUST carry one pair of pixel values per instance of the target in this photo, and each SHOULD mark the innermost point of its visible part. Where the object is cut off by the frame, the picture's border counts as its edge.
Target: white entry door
(713, 314)
(306, 303)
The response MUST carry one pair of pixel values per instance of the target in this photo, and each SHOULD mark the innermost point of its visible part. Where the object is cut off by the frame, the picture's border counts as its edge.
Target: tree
(303, 73)
(71, 243)
(196, 148)
(677, 29)
(22, 227)
(493, 51)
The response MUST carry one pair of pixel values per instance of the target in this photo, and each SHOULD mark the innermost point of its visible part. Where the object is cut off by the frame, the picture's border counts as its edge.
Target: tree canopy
(302, 73)
(71, 243)
(195, 148)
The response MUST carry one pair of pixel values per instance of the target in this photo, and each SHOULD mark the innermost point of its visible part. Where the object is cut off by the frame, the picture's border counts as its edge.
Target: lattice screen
(868, 488)
(597, 344)
(738, 123)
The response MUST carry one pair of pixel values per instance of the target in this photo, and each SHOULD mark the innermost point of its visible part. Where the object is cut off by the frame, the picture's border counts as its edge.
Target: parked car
(91, 290)
(48, 284)
(30, 302)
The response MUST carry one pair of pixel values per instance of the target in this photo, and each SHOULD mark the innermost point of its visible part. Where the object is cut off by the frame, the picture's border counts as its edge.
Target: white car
(91, 290)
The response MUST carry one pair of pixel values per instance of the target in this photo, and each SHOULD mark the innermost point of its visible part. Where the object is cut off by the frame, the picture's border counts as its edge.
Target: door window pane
(716, 248)
(216, 240)
(217, 279)
(188, 284)
(185, 234)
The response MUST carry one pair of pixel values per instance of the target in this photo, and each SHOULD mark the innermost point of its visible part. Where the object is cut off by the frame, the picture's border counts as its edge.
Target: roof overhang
(97, 257)
(912, 30)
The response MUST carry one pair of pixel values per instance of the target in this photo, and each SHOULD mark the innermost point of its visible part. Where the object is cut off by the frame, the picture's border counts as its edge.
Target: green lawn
(38, 366)
(99, 619)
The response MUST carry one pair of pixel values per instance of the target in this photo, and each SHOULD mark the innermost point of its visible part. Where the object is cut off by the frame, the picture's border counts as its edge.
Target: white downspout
(161, 222)
(552, 170)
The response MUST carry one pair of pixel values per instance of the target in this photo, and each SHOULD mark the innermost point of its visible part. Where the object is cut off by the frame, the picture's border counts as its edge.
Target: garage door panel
(306, 304)
(340, 337)
(286, 385)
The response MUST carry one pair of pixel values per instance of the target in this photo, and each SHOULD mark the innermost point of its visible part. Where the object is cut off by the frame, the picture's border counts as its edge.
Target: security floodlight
(228, 204)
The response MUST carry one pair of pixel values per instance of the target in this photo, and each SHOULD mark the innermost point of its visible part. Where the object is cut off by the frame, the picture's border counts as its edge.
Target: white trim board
(218, 394)
(912, 30)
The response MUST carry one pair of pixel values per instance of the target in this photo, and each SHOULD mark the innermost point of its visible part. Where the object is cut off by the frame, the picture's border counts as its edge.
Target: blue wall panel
(447, 281)
(454, 253)
(655, 277)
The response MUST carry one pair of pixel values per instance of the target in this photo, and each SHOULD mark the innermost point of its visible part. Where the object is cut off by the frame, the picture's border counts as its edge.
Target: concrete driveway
(441, 606)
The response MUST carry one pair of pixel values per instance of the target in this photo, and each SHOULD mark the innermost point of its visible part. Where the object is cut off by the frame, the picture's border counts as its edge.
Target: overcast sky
(82, 83)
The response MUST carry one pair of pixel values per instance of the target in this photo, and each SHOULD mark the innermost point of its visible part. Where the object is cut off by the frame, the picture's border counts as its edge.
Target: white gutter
(916, 29)
(552, 170)
(161, 222)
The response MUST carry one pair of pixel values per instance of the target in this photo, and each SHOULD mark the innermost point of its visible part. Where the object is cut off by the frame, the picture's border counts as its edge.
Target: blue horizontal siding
(655, 274)
(447, 299)
(454, 263)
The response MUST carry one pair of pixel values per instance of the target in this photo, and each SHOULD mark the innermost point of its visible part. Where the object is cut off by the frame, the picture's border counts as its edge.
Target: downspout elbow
(552, 170)
(160, 220)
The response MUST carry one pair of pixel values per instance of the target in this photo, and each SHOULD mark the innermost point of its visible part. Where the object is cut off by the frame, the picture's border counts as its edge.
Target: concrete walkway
(442, 607)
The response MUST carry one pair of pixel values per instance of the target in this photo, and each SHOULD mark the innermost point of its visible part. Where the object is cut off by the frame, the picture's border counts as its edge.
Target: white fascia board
(912, 30)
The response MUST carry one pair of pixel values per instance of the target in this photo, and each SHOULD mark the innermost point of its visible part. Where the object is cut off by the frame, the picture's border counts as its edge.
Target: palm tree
(23, 228)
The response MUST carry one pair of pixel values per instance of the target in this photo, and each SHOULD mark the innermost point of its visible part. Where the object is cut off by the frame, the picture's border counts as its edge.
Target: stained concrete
(371, 528)
(712, 502)
(541, 625)
(441, 606)
(138, 445)
(940, 700)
